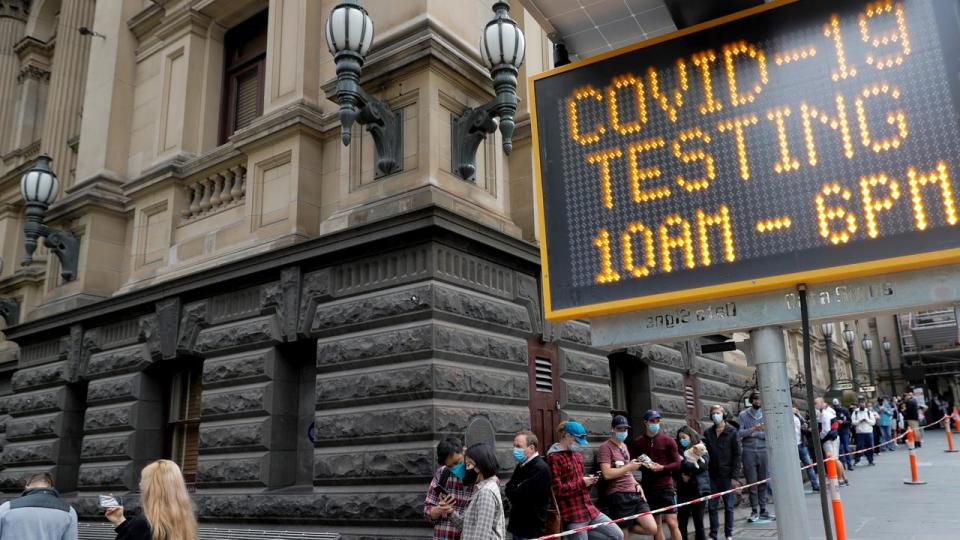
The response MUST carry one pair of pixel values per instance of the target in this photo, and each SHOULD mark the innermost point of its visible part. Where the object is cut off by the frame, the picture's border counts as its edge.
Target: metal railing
(928, 330)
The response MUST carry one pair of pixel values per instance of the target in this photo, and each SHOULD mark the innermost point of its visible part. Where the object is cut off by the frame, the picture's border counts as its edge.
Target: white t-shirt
(796, 429)
(826, 418)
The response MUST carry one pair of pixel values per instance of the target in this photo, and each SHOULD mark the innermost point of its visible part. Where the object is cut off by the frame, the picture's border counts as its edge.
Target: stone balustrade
(215, 192)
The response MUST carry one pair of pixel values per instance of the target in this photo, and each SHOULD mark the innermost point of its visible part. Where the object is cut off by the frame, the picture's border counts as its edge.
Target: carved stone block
(374, 345)
(222, 470)
(669, 381)
(124, 360)
(34, 427)
(576, 363)
(247, 436)
(371, 308)
(584, 394)
(480, 308)
(54, 374)
(30, 453)
(367, 384)
(506, 421)
(480, 384)
(390, 422)
(243, 368)
(462, 340)
(257, 332)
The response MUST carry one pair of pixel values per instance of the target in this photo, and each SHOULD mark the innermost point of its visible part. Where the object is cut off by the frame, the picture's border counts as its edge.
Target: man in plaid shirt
(572, 489)
(447, 485)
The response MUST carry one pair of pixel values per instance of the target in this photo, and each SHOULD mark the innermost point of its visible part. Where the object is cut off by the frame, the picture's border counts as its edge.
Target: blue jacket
(39, 514)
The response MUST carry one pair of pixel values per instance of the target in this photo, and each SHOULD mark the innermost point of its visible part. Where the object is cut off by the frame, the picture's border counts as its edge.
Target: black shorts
(625, 504)
(660, 498)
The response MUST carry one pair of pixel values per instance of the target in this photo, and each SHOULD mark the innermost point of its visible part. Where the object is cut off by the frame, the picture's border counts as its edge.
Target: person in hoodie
(572, 489)
(528, 489)
(38, 514)
(693, 481)
(447, 492)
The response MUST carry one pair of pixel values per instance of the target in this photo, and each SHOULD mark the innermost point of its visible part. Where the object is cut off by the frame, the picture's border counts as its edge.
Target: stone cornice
(433, 221)
(30, 45)
(102, 195)
(147, 20)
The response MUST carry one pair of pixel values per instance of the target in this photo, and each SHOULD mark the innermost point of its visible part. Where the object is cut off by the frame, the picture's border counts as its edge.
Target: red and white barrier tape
(712, 495)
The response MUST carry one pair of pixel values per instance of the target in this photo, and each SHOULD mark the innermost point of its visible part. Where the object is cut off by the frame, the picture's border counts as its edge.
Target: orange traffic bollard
(914, 477)
(950, 447)
(834, 487)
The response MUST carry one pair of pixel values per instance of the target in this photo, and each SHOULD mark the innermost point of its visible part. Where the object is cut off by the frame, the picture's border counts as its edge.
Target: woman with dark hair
(693, 480)
(483, 517)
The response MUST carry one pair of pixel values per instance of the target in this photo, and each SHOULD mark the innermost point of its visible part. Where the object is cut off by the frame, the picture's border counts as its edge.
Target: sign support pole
(769, 355)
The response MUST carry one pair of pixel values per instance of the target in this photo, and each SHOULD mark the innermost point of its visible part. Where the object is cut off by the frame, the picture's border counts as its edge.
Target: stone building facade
(253, 300)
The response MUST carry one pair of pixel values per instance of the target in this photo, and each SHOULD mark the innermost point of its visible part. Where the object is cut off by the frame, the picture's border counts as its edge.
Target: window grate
(544, 374)
(689, 397)
(248, 97)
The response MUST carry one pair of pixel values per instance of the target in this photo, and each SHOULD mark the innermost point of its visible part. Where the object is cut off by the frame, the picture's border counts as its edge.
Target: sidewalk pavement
(878, 505)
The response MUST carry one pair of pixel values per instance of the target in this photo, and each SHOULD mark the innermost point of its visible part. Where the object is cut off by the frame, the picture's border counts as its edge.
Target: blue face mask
(684, 442)
(620, 435)
(459, 470)
(717, 418)
(653, 428)
(519, 455)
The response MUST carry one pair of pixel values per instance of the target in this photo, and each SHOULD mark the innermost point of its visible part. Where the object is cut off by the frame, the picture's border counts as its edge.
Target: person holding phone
(167, 511)
(621, 491)
(38, 514)
(447, 492)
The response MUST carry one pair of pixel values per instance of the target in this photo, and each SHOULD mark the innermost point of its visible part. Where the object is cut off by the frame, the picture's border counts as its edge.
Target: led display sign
(799, 141)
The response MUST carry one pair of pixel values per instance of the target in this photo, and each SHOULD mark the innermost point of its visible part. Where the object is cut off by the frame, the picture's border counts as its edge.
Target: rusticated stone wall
(376, 354)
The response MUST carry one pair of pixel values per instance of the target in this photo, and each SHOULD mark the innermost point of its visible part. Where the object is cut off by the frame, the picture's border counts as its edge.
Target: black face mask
(470, 478)
(756, 405)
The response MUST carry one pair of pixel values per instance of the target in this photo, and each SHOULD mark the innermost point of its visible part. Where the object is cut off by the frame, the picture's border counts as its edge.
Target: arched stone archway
(42, 22)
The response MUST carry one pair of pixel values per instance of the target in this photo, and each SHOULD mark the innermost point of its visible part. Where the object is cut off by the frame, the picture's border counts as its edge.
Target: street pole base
(911, 483)
(951, 451)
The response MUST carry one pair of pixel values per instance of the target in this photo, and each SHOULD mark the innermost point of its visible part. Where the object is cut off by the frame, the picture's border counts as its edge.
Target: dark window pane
(248, 94)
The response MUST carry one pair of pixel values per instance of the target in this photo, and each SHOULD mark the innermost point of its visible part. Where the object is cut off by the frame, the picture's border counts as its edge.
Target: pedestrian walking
(723, 446)
(167, 510)
(572, 489)
(483, 517)
(657, 481)
(829, 434)
(863, 422)
(693, 481)
(38, 514)
(622, 493)
(843, 433)
(528, 489)
(886, 422)
(799, 425)
(754, 442)
(911, 415)
(447, 485)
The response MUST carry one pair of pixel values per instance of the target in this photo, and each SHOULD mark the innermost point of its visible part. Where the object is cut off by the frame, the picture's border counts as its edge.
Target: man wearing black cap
(622, 493)
(658, 478)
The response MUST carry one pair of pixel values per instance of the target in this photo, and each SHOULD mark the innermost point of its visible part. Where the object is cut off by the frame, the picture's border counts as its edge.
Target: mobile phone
(109, 501)
(439, 491)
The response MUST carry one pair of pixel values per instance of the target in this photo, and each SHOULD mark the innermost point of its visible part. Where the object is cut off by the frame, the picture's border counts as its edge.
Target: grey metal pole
(770, 357)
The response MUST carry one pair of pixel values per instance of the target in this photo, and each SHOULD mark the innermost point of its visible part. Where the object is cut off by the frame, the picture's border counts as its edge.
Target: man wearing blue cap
(572, 489)
(658, 478)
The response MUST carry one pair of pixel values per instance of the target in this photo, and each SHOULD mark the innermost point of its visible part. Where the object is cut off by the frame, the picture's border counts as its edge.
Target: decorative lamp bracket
(10, 311)
(467, 131)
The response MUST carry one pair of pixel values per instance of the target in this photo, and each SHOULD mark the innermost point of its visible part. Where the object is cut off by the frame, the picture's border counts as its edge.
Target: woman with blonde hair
(167, 511)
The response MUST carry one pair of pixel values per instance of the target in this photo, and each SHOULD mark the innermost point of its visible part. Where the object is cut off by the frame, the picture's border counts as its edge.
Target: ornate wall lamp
(39, 187)
(349, 33)
(502, 46)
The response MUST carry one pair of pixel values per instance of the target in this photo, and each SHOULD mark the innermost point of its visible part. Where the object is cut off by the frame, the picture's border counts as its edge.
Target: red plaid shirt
(443, 528)
(573, 495)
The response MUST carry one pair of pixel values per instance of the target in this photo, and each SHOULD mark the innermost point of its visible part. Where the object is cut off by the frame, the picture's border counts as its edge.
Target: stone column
(108, 100)
(13, 15)
(294, 44)
(67, 82)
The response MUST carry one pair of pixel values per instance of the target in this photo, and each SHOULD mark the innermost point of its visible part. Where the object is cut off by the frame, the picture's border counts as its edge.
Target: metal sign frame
(857, 270)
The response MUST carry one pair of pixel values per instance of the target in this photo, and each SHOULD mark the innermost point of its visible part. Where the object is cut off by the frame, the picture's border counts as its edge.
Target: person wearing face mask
(572, 489)
(723, 446)
(800, 426)
(693, 481)
(483, 517)
(622, 494)
(657, 480)
(447, 492)
(863, 422)
(754, 441)
(528, 489)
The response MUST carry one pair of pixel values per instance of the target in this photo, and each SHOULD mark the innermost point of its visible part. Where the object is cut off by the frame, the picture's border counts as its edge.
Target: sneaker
(767, 516)
(872, 464)
(816, 489)
(754, 516)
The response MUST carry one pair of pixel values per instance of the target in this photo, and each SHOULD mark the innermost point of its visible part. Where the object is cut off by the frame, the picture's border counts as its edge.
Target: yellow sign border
(735, 288)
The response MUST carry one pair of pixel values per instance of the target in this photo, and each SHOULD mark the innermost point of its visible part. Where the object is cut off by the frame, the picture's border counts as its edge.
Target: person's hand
(115, 515)
(655, 467)
(589, 480)
(634, 465)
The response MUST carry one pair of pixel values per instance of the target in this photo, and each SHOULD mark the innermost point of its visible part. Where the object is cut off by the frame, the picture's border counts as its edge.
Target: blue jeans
(716, 486)
(812, 471)
(845, 449)
(865, 440)
(886, 438)
(607, 532)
